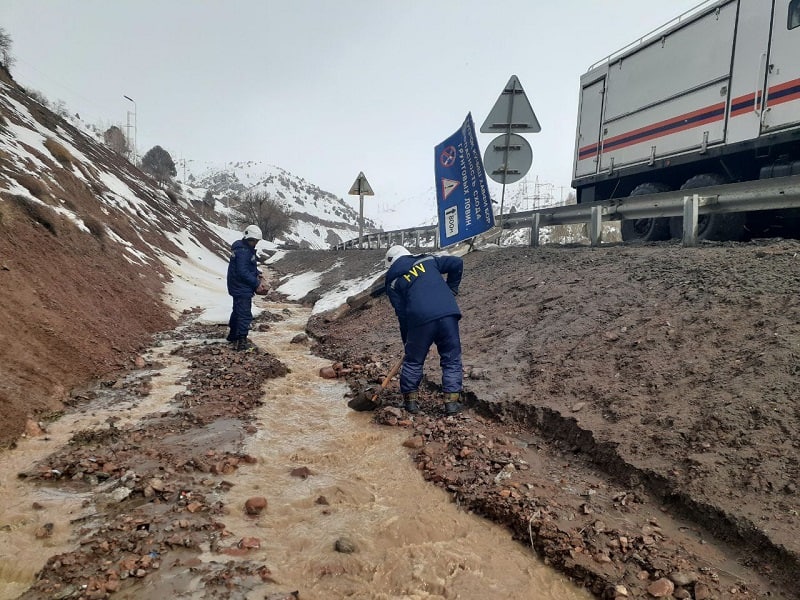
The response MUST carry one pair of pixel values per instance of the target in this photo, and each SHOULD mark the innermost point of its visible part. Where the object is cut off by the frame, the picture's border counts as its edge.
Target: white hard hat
(394, 252)
(253, 232)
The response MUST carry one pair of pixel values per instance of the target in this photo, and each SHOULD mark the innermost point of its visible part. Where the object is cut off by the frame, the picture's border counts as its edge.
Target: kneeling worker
(426, 308)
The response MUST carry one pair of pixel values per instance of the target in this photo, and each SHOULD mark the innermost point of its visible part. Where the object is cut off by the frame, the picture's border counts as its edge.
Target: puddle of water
(412, 540)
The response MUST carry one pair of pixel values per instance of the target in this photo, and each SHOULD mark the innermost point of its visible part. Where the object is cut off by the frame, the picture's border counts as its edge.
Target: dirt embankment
(645, 398)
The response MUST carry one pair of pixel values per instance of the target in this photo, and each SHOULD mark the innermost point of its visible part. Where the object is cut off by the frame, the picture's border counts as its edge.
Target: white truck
(712, 97)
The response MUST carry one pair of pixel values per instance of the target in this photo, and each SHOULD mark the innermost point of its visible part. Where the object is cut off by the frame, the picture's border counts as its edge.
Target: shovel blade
(364, 401)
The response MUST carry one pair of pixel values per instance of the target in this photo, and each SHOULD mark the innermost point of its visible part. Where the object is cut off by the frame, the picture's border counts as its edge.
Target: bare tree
(115, 139)
(261, 209)
(5, 49)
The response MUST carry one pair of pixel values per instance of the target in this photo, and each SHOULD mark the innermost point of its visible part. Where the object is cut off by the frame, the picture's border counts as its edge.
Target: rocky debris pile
(157, 489)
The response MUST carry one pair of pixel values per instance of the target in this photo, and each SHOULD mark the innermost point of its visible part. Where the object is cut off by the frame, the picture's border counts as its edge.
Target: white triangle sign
(512, 111)
(448, 185)
(361, 186)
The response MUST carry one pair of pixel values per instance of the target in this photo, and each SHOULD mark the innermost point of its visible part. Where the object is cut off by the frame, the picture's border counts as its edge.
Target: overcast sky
(325, 89)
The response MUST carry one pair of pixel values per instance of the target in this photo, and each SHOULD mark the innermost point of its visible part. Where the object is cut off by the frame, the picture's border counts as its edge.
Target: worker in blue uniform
(422, 289)
(243, 281)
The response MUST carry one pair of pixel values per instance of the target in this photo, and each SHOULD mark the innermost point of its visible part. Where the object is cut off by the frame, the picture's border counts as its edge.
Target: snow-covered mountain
(320, 219)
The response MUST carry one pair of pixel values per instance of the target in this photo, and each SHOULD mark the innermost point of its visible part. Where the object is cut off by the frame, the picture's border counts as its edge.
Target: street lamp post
(135, 122)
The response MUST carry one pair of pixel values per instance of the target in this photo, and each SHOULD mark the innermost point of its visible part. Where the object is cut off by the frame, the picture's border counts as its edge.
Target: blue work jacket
(419, 293)
(242, 270)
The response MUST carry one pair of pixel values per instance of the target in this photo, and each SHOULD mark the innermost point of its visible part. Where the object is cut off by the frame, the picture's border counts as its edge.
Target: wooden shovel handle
(392, 372)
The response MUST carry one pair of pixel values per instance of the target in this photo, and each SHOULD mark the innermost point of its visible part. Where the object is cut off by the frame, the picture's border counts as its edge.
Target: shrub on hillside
(35, 186)
(39, 213)
(95, 227)
(58, 151)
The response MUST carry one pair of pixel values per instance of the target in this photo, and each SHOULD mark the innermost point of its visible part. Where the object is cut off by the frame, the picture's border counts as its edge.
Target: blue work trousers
(444, 333)
(241, 317)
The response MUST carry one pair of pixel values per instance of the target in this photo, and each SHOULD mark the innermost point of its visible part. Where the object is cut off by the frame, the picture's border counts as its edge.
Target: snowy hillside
(321, 219)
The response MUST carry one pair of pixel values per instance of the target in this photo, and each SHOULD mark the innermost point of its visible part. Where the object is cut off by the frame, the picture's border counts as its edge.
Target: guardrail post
(596, 226)
(535, 220)
(690, 212)
(417, 236)
(436, 239)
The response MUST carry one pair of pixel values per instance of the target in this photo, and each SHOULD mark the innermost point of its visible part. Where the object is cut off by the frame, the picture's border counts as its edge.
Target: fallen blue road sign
(462, 196)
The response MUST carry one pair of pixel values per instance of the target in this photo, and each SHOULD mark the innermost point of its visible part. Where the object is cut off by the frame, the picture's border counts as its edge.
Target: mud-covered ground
(633, 410)
(632, 415)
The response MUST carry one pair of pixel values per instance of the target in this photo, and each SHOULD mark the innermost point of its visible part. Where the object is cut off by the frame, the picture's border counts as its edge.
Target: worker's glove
(262, 289)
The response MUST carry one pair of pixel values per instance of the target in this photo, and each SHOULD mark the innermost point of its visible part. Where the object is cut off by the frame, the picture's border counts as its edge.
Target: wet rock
(620, 591)
(415, 442)
(299, 338)
(33, 428)
(45, 531)
(119, 494)
(661, 588)
(476, 373)
(701, 591)
(345, 545)
(255, 505)
(327, 373)
(684, 578)
(322, 500)
(139, 362)
(249, 543)
(301, 472)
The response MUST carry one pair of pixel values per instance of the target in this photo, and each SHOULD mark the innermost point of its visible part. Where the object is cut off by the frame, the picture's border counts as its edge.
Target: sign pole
(361, 188)
(360, 215)
(505, 155)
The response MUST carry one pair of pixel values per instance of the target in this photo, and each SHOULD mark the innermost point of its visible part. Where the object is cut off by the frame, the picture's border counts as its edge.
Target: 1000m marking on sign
(451, 221)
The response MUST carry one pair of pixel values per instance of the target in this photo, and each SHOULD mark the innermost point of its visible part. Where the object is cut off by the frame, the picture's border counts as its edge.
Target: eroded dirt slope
(670, 372)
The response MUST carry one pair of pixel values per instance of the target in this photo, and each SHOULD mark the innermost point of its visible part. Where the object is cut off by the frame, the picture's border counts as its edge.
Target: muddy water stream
(27, 507)
(411, 540)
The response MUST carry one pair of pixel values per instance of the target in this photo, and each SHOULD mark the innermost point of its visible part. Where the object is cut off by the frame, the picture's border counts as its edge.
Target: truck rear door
(782, 106)
(590, 112)
(749, 71)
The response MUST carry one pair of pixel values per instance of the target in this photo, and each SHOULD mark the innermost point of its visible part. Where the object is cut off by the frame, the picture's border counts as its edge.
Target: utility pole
(135, 120)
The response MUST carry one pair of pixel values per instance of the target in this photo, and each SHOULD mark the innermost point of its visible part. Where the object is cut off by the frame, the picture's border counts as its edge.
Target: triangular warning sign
(512, 111)
(361, 186)
(448, 185)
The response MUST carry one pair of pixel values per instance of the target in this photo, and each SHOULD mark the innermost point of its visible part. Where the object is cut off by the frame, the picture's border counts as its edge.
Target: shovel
(366, 399)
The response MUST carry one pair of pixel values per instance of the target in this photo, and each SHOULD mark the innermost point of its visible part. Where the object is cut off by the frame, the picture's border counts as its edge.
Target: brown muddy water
(411, 541)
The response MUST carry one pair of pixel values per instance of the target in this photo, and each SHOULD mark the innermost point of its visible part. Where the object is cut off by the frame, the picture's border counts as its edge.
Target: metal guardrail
(765, 194)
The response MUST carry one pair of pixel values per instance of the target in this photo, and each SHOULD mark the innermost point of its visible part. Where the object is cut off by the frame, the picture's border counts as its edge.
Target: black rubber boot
(452, 404)
(411, 402)
(243, 345)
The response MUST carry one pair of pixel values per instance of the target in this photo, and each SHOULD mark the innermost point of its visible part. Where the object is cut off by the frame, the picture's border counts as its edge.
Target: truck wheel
(646, 230)
(711, 227)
